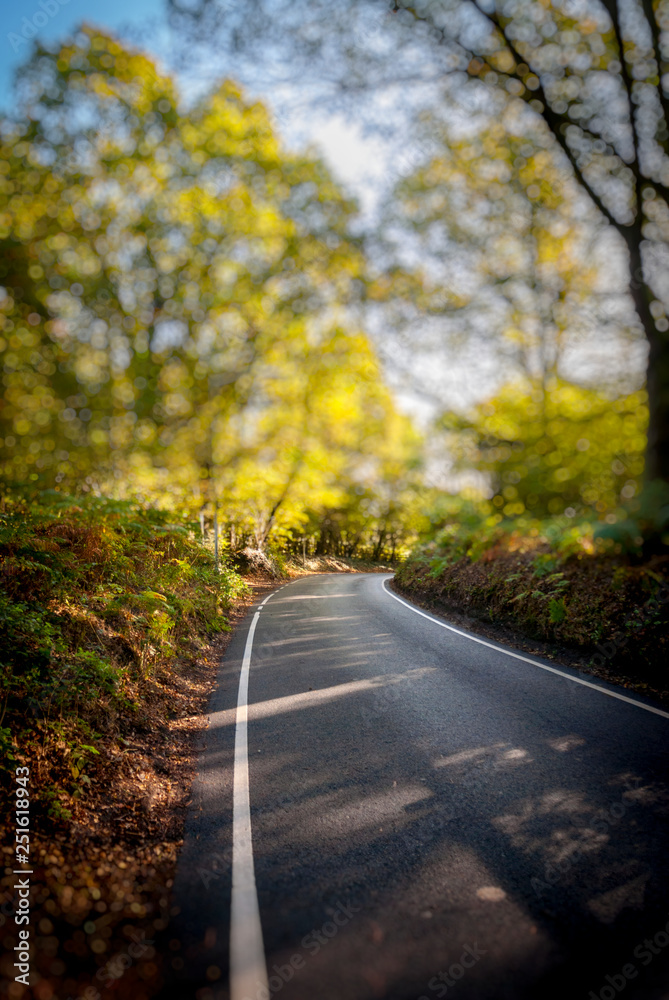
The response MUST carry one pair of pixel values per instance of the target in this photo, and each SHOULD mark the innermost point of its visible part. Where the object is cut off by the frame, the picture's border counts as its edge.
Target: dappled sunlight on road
(452, 906)
(337, 618)
(503, 754)
(344, 812)
(465, 756)
(379, 784)
(512, 758)
(491, 893)
(312, 699)
(570, 837)
(630, 895)
(565, 743)
(305, 597)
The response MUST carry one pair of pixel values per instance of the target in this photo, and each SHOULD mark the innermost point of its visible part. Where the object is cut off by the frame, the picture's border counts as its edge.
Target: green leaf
(557, 610)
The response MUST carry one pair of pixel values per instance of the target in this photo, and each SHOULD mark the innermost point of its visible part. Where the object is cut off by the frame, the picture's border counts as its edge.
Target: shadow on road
(419, 836)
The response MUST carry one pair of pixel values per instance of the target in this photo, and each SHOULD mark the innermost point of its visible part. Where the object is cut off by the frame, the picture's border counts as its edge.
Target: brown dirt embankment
(603, 615)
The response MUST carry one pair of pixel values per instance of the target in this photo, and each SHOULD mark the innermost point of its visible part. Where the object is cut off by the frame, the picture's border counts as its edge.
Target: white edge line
(526, 659)
(248, 971)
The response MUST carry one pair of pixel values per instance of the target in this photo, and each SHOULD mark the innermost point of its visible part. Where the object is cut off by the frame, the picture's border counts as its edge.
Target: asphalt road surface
(431, 817)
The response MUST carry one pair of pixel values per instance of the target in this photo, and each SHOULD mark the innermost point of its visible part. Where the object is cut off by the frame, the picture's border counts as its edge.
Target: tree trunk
(657, 380)
(378, 548)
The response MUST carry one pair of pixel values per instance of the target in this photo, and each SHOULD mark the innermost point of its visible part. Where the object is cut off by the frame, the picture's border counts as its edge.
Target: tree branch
(627, 83)
(657, 51)
(554, 120)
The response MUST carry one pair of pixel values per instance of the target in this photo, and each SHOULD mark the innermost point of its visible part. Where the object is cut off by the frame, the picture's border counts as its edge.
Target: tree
(546, 451)
(179, 301)
(513, 261)
(380, 512)
(321, 424)
(156, 261)
(595, 73)
(614, 132)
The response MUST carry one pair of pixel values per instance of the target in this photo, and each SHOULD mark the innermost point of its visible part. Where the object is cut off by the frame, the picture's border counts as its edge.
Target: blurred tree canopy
(184, 299)
(547, 447)
(512, 255)
(592, 74)
(179, 306)
(510, 251)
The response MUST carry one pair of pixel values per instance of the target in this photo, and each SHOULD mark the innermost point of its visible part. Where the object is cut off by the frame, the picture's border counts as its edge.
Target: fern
(557, 610)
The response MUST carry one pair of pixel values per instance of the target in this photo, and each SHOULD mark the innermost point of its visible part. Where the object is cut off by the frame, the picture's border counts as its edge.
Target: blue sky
(144, 21)
(19, 19)
(358, 163)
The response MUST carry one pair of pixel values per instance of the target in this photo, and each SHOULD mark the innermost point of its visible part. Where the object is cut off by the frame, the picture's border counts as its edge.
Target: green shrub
(91, 590)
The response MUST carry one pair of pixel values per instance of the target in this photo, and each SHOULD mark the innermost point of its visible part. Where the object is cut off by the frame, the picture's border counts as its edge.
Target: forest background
(198, 317)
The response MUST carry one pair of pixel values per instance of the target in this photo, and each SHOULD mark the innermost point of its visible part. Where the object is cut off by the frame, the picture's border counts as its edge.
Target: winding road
(431, 815)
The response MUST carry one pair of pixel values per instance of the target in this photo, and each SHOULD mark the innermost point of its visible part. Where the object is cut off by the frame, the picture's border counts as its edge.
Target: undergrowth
(574, 583)
(98, 598)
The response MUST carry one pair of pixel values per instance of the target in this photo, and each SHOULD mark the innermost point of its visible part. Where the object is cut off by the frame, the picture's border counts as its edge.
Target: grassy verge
(583, 598)
(112, 622)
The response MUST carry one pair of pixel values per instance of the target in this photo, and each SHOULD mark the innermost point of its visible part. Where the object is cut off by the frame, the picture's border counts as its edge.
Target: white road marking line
(248, 971)
(526, 659)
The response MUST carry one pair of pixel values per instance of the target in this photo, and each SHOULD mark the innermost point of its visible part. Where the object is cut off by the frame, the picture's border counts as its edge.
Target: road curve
(430, 816)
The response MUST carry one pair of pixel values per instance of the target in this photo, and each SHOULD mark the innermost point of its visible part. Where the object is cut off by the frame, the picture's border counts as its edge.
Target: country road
(431, 817)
